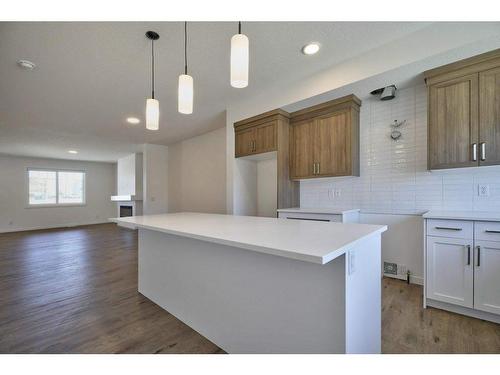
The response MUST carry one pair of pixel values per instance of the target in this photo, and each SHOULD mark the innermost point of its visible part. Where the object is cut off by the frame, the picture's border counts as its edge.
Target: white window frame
(56, 170)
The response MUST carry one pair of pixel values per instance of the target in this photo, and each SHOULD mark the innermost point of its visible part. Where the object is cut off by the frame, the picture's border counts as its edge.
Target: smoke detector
(26, 64)
(386, 93)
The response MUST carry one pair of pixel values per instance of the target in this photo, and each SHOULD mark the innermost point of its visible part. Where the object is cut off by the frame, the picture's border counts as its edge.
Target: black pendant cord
(152, 69)
(239, 27)
(185, 49)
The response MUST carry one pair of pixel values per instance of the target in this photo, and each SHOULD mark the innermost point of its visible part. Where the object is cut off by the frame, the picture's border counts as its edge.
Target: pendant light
(239, 59)
(185, 90)
(152, 105)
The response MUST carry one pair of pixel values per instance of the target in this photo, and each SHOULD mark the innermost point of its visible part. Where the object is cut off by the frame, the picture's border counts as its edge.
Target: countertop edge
(325, 259)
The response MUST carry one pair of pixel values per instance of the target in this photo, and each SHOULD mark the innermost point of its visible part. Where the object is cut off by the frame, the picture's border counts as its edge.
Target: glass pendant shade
(185, 99)
(239, 61)
(152, 114)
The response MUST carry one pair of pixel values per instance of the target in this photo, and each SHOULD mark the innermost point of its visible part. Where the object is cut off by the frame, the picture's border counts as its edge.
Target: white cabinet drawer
(487, 230)
(450, 228)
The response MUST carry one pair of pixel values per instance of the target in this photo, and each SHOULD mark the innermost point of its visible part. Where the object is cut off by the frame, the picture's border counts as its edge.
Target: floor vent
(390, 268)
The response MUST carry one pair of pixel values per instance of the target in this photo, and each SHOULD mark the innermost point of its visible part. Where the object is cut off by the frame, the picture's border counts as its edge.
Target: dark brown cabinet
(464, 113)
(325, 140)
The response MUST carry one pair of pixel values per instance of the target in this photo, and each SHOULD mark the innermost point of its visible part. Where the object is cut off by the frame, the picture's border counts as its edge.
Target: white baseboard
(413, 279)
(464, 310)
(67, 225)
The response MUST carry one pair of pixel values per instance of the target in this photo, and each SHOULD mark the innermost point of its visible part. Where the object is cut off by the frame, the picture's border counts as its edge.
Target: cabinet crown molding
(263, 117)
(345, 102)
(470, 65)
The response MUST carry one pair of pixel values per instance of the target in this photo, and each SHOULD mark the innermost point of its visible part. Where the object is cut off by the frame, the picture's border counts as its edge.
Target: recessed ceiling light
(133, 120)
(311, 48)
(25, 64)
(73, 151)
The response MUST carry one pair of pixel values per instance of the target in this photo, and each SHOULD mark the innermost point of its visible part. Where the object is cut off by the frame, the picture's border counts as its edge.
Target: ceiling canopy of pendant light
(152, 105)
(239, 59)
(185, 88)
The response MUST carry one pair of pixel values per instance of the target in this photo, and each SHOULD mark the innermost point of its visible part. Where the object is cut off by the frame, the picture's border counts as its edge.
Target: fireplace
(126, 211)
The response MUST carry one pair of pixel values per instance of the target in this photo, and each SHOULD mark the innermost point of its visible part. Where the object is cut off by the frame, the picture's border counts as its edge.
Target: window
(52, 188)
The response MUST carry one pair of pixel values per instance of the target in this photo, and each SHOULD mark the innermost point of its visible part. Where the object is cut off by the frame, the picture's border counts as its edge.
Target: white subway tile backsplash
(394, 176)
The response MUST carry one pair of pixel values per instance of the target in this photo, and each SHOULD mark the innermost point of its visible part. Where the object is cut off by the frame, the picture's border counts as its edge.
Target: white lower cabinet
(462, 269)
(450, 271)
(487, 276)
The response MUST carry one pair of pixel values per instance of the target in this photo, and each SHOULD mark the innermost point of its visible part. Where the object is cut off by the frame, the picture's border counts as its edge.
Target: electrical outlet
(337, 193)
(483, 190)
(331, 194)
(352, 262)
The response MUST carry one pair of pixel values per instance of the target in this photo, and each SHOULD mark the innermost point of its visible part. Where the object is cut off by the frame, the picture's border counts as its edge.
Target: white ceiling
(91, 76)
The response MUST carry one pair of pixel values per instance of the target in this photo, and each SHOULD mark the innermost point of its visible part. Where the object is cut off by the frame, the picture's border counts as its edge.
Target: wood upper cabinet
(265, 137)
(332, 144)
(453, 123)
(302, 148)
(244, 142)
(464, 113)
(489, 117)
(255, 138)
(325, 140)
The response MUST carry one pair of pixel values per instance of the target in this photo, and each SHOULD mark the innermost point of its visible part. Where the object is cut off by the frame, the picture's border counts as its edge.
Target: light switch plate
(483, 190)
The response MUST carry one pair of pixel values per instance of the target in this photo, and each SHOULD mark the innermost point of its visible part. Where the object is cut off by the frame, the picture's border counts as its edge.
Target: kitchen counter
(315, 242)
(463, 215)
(265, 285)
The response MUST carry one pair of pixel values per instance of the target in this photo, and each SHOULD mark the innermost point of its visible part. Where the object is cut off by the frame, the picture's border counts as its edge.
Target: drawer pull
(448, 228)
(491, 231)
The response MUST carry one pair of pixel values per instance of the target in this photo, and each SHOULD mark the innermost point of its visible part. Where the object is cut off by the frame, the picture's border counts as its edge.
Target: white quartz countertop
(331, 211)
(316, 242)
(463, 215)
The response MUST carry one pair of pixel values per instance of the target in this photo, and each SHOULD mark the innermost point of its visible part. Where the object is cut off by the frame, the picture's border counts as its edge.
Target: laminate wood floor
(74, 290)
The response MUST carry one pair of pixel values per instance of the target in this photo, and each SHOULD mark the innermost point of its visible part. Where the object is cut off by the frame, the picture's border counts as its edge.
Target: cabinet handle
(318, 168)
(478, 256)
(491, 231)
(483, 151)
(314, 168)
(474, 152)
(468, 255)
(446, 228)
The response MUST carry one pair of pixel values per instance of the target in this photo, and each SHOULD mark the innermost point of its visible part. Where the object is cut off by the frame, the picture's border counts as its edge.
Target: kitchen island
(265, 285)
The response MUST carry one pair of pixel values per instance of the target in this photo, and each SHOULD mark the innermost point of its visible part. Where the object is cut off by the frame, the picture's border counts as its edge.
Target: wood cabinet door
(487, 276)
(301, 145)
(449, 270)
(453, 123)
(489, 117)
(244, 142)
(332, 144)
(265, 137)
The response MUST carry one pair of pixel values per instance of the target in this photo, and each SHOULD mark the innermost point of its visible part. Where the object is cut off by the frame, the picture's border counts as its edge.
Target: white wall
(155, 179)
(14, 214)
(197, 173)
(267, 187)
(129, 175)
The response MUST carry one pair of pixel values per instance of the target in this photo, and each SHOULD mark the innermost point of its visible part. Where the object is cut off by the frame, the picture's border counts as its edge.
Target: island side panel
(364, 297)
(243, 301)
